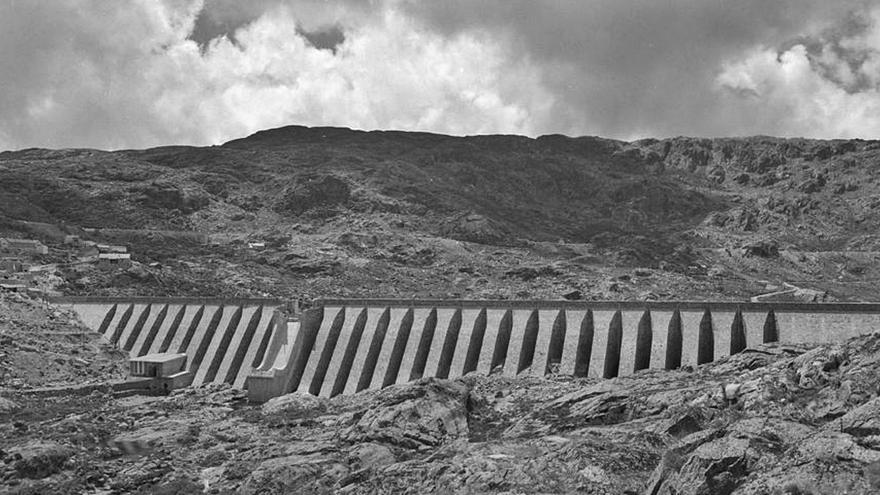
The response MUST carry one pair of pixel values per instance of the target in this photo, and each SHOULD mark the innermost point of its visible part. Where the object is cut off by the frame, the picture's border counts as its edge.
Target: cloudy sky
(138, 73)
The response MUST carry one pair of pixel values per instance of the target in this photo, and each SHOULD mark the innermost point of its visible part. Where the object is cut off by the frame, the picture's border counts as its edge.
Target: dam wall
(224, 339)
(345, 346)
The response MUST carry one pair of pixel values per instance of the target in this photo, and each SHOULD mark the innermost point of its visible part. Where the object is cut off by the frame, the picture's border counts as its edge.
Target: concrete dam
(345, 346)
(224, 340)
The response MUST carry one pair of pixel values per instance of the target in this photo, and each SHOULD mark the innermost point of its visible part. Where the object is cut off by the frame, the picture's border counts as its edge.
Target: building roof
(159, 357)
(110, 248)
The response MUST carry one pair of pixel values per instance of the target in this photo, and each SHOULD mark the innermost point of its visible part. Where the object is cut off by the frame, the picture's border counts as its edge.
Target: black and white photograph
(507, 247)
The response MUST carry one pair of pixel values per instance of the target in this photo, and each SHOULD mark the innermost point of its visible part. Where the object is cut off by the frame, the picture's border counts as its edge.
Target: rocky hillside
(347, 212)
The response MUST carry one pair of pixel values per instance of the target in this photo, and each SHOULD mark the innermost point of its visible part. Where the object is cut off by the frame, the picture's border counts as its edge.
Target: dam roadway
(343, 346)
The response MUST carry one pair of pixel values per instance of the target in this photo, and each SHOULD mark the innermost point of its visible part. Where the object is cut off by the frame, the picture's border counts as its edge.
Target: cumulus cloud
(827, 84)
(143, 72)
(113, 75)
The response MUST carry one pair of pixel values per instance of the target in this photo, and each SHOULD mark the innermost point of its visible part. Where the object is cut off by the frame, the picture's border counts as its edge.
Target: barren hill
(346, 212)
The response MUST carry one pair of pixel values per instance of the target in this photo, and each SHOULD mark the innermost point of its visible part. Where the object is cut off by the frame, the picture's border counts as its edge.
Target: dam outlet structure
(343, 346)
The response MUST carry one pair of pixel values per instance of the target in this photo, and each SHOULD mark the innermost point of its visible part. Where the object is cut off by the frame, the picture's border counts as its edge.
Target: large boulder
(295, 405)
(429, 413)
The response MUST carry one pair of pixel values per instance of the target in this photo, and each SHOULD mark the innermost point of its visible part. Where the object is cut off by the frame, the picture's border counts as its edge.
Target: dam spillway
(343, 346)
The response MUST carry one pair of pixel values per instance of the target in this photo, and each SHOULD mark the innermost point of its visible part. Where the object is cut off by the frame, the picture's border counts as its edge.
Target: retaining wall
(345, 346)
(224, 339)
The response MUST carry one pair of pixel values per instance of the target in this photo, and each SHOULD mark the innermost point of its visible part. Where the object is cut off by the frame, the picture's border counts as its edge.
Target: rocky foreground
(775, 419)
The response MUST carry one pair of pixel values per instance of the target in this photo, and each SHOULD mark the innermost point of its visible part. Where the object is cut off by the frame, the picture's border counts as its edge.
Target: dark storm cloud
(640, 67)
(147, 72)
(327, 38)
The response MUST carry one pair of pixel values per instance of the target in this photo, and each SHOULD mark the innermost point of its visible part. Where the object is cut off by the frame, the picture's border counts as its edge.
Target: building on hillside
(23, 246)
(161, 372)
(110, 248)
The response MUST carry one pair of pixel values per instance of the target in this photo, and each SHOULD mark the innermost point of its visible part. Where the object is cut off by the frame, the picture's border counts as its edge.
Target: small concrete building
(110, 248)
(161, 372)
